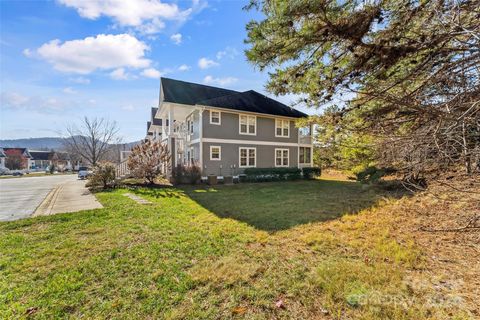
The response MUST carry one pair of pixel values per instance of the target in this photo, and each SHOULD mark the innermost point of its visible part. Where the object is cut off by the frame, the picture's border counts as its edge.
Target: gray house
(225, 131)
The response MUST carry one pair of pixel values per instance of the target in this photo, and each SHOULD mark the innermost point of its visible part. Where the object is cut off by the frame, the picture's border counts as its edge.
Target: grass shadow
(282, 205)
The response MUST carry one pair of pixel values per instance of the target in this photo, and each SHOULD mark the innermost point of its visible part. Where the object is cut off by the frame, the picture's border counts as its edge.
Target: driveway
(23, 197)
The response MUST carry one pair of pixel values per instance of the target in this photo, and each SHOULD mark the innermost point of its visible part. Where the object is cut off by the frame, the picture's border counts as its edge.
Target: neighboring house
(2, 158)
(41, 160)
(63, 161)
(21, 154)
(225, 131)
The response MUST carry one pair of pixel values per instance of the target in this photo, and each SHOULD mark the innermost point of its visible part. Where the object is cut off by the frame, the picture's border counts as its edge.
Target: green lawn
(212, 253)
(278, 206)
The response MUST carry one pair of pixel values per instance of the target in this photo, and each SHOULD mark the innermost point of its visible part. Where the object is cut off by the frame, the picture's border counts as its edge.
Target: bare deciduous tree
(148, 159)
(14, 162)
(91, 140)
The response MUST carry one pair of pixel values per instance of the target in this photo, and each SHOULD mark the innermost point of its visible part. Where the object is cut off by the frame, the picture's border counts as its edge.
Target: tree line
(397, 81)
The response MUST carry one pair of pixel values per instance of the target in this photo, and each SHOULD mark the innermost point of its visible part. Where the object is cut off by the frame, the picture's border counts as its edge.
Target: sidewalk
(71, 196)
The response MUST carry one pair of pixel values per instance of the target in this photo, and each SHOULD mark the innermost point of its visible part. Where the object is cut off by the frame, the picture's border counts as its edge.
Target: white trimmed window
(305, 155)
(282, 128)
(248, 124)
(215, 153)
(281, 157)
(248, 157)
(215, 117)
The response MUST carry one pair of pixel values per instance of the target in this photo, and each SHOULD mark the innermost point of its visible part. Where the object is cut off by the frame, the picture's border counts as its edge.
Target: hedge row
(278, 174)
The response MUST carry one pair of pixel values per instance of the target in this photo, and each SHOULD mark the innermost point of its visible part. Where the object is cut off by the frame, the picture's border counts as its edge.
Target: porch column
(170, 120)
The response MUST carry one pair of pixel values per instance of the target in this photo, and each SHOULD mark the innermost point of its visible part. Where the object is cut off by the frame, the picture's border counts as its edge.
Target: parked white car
(83, 173)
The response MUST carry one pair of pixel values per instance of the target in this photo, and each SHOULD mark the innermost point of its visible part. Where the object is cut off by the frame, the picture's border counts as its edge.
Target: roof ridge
(197, 84)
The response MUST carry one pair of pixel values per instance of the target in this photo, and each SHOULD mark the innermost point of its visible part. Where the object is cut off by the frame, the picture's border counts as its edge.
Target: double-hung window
(248, 124)
(248, 157)
(215, 117)
(281, 157)
(305, 155)
(282, 128)
(215, 153)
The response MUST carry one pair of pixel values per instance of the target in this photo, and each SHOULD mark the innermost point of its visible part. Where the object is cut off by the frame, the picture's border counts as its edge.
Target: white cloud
(146, 15)
(152, 27)
(69, 90)
(229, 52)
(27, 53)
(176, 38)
(14, 99)
(219, 81)
(151, 73)
(128, 108)
(184, 67)
(105, 51)
(17, 101)
(205, 63)
(80, 80)
(119, 74)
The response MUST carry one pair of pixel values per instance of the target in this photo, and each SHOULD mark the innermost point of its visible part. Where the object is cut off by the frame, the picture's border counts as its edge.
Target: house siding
(229, 128)
(265, 157)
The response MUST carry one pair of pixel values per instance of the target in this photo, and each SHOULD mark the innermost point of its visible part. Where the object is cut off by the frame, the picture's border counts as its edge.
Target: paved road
(20, 197)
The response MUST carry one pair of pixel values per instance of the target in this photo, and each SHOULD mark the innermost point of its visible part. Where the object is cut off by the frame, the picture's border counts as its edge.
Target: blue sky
(65, 59)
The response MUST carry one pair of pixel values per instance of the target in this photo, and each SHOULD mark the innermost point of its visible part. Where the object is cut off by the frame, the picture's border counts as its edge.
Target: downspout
(200, 136)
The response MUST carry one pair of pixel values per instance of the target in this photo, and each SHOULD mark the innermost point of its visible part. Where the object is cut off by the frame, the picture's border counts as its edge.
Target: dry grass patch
(184, 257)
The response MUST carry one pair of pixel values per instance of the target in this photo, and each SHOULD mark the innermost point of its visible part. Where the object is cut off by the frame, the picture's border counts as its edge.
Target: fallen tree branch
(471, 225)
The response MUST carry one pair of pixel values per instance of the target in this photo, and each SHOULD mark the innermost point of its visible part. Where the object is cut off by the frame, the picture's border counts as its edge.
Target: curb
(45, 208)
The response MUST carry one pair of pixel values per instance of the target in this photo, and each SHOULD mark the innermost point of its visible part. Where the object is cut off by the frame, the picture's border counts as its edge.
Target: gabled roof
(253, 101)
(19, 151)
(41, 155)
(183, 92)
(155, 121)
(65, 156)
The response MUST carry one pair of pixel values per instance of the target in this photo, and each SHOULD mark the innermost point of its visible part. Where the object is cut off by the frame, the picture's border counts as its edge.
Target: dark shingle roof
(41, 155)
(63, 156)
(155, 121)
(177, 91)
(21, 151)
(192, 93)
(148, 125)
(253, 101)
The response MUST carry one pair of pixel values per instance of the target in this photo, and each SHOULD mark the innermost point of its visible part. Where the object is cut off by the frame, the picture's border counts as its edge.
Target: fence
(122, 169)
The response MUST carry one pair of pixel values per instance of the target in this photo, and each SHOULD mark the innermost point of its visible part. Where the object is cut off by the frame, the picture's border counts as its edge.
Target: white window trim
(248, 154)
(275, 157)
(276, 127)
(311, 155)
(219, 117)
(240, 125)
(219, 153)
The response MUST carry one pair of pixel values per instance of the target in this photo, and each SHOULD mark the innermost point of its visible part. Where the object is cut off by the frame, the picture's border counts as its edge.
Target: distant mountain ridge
(55, 143)
(45, 143)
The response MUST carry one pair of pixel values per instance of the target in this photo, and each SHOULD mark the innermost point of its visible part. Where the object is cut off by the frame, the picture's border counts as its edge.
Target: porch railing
(122, 169)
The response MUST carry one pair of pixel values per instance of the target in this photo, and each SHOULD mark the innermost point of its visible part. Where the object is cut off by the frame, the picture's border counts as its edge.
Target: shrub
(147, 159)
(271, 174)
(51, 169)
(183, 174)
(103, 176)
(372, 174)
(311, 172)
